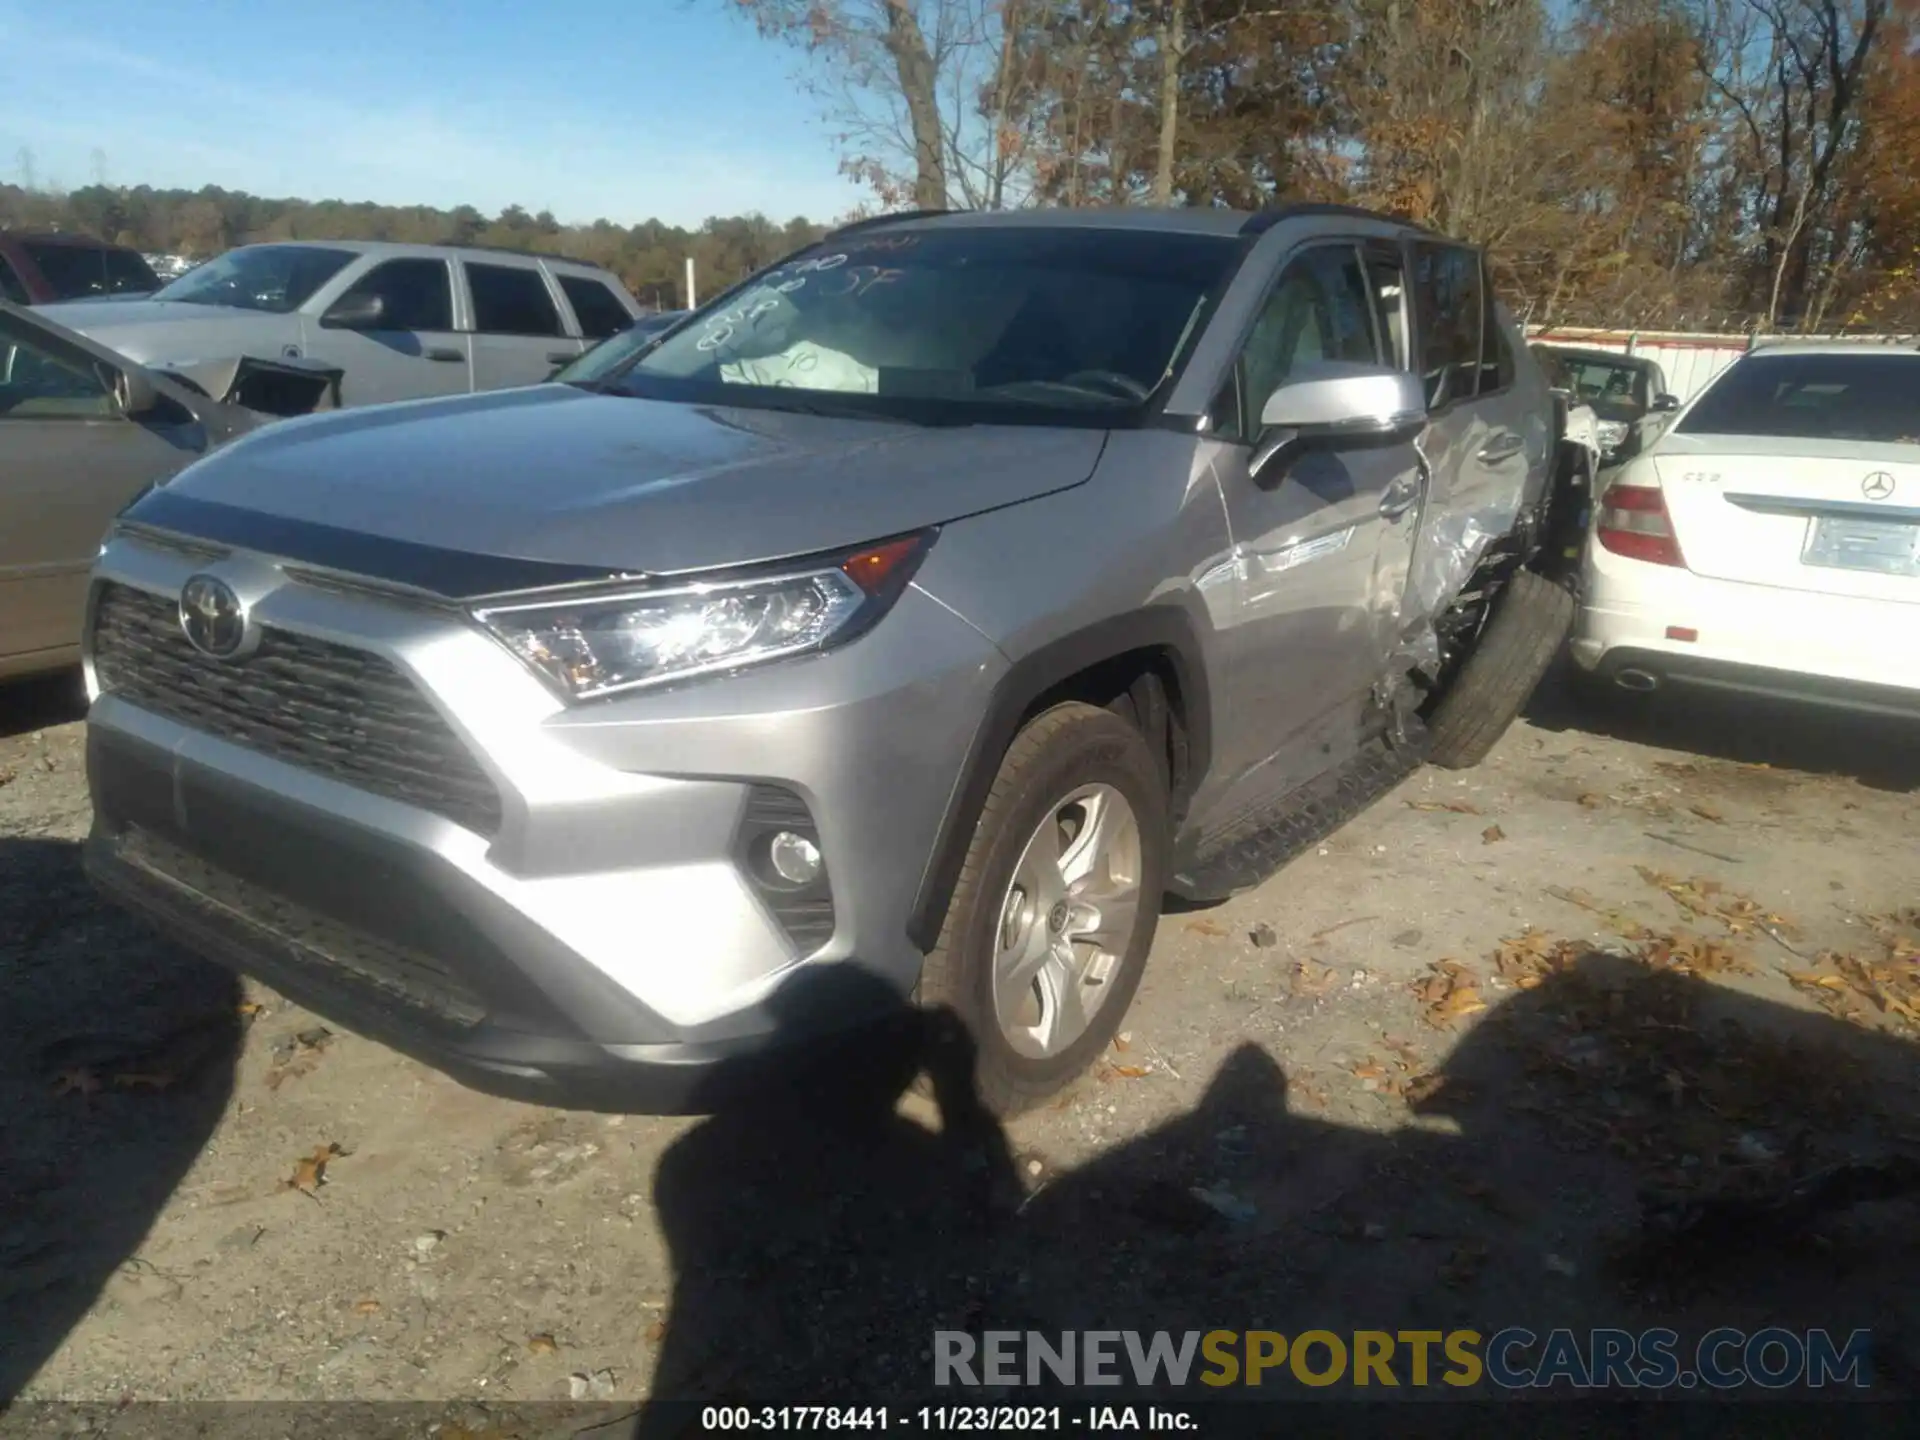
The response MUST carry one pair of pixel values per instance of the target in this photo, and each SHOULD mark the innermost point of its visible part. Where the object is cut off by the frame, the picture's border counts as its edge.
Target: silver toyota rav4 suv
(925, 609)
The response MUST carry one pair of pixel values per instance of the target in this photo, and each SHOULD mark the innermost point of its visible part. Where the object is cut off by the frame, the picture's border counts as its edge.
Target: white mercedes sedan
(1768, 543)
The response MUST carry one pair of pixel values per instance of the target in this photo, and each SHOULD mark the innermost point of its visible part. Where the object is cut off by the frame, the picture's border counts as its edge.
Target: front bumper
(597, 940)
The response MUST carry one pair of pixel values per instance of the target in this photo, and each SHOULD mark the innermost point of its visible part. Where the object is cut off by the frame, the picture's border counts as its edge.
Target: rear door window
(595, 306)
(1450, 311)
(1865, 397)
(11, 286)
(511, 300)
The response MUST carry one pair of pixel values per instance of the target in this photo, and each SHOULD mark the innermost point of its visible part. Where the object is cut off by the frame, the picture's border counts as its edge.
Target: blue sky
(674, 109)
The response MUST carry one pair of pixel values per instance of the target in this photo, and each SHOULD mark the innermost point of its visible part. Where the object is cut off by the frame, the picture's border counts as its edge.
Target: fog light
(795, 859)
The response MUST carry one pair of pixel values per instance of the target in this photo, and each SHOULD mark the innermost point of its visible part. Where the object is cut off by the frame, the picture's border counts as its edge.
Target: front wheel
(1048, 932)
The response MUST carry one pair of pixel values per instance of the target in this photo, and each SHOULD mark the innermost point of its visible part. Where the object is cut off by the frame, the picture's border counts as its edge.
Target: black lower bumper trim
(1686, 672)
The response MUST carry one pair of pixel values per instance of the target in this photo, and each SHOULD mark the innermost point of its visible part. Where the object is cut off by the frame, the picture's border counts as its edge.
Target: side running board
(1243, 856)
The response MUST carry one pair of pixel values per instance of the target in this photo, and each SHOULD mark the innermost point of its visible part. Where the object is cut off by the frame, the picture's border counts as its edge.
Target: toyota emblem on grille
(1877, 486)
(213, 618)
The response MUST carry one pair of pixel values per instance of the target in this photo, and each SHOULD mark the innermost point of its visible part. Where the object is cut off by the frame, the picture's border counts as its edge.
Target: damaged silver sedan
(83, 431)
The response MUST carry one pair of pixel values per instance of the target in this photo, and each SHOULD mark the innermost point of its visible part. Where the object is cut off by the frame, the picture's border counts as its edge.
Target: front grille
(327, 708)
(303, 937)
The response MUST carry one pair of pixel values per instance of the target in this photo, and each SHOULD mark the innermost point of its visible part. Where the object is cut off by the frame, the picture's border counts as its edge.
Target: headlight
(1613, 434)
(589, 644)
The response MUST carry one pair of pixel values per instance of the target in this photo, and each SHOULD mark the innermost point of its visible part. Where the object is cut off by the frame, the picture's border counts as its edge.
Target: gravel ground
(1429, 1076)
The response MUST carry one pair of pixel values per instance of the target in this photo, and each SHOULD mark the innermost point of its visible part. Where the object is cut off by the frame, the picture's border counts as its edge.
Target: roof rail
(511, 250)
(867, 224)
(1262, 221)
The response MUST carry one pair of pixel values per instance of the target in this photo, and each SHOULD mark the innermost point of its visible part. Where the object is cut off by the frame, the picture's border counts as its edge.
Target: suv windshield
(1615, 390)
(278, 278)
(1866, 397)
(1063, 325)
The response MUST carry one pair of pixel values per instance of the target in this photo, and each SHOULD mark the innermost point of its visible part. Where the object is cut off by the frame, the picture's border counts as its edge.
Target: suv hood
(563, 476)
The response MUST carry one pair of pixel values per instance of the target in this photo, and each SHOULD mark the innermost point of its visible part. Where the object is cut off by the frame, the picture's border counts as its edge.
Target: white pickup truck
(402, 322)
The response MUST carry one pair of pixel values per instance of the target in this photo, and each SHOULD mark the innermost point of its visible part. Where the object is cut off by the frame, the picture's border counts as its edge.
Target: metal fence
(1689, 360)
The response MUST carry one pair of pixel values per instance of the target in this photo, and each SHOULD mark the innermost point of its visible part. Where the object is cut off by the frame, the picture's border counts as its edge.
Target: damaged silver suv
(924, 609)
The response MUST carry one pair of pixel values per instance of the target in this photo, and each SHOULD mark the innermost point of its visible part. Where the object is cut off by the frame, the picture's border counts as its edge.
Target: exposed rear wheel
(1050, 924)
(1531, 620)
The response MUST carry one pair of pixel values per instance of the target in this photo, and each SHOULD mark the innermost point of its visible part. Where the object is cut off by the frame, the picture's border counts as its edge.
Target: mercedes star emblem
(1877, 486)
(212, 617)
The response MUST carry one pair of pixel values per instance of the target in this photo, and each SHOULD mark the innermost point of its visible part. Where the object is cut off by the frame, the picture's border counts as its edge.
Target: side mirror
(1338, 403)
(356, 312)
(133, 394)
(1663, 403)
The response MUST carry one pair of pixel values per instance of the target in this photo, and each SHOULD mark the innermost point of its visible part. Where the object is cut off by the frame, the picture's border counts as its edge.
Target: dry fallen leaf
(1449, 992)
(1131, 1072)
(1591, 801)
(543, 1344)
(1457, 807)
(1207, 927)
(310, 1173)
(1492, 833)
(656, 1332)
(1311, 978)
(367, 1307)
(1707, 812)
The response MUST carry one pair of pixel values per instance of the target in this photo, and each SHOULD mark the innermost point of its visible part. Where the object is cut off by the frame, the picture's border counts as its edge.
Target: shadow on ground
(116, 1061)
(1882, 753)
(1618, 1146)
(45, 700)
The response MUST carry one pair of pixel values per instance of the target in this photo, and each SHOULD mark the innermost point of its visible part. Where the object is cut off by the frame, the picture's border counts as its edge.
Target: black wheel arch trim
(1167, 627)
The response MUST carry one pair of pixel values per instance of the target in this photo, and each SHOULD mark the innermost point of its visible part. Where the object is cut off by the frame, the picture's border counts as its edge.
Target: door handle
(444, 354)
(1503, 447)
(561, 357)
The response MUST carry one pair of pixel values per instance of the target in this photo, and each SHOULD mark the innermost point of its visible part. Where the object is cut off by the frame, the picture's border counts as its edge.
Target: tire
(1531, 620)
(1067, 749)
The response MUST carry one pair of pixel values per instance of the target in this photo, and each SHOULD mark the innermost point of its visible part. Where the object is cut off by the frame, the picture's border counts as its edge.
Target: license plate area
(1845, 542)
